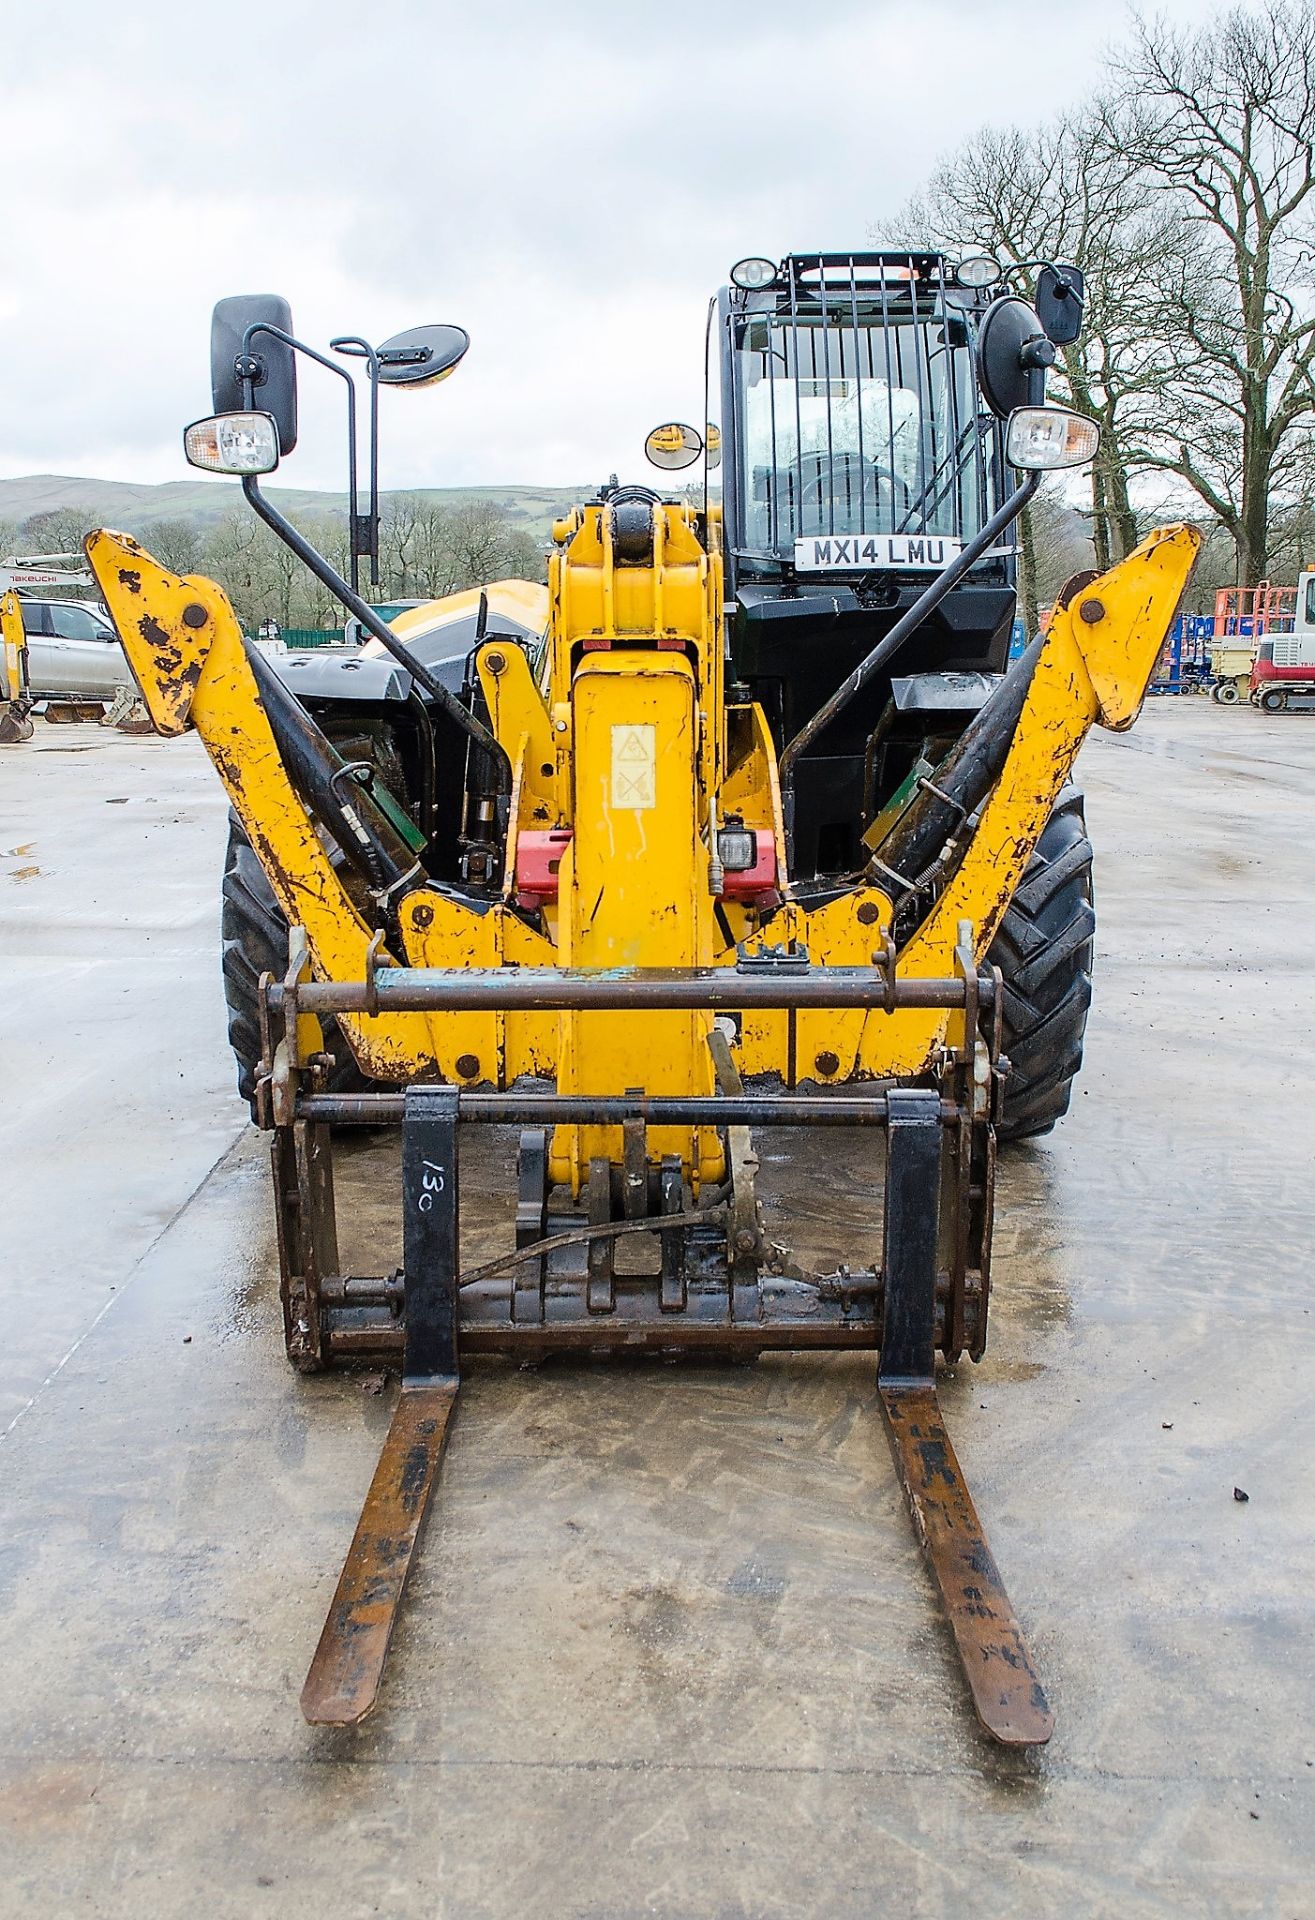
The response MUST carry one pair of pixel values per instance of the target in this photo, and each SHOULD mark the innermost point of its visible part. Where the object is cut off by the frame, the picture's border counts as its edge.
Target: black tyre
(1044, 951)
(1226, 693)
(255, 941)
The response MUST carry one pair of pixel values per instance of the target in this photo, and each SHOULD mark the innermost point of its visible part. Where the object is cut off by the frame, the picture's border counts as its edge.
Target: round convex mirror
(673, 445)
(421, 355)
(1008, 327)
(712, 442)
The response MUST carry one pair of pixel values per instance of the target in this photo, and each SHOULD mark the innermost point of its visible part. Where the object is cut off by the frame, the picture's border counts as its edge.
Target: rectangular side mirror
(275, 389)
(1060, 292)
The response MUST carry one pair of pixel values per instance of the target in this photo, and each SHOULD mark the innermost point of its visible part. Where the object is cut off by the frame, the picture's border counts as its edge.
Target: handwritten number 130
(432, 1181)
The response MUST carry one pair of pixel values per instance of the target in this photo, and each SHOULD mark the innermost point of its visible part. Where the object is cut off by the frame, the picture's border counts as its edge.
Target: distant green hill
(120, 503)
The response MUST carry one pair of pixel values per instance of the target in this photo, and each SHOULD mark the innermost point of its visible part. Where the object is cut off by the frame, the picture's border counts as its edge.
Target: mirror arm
(300, 346)
(1070, 292)
(369, 619)
(885, 649)
(361, 349)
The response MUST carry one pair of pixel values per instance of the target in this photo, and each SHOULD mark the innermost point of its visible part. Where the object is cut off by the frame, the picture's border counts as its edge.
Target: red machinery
(1283, 673)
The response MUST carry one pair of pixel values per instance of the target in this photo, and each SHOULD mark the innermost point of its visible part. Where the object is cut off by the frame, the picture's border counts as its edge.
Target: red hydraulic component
(538, 857)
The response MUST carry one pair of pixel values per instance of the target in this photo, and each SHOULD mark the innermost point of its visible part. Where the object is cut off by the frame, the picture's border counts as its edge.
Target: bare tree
(1067, 192)
(478, 532)
(1224, 118)
(438, 566)
(427, 550)
(175, 543)
(1061, 545)
(312, 604)
(523, 557)
(452, 548)
(58, 530)
(235, 555)
(401, 537)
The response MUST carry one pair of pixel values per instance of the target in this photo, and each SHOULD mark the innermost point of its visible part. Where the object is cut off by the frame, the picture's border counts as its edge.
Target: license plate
(856, 552)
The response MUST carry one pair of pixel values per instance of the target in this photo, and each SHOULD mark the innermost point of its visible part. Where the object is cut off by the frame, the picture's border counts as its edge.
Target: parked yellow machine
(628, 926)
(1231, 667)
(15, 701)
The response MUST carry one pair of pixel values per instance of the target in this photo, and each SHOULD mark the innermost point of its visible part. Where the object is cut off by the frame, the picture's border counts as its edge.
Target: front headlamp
(1044, 439)
(233, 443)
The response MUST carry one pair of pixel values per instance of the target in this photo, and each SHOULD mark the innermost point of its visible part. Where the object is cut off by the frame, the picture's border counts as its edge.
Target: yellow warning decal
(634, 767)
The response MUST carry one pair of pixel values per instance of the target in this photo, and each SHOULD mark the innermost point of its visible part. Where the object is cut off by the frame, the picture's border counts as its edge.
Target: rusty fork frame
(344, 1678)
(714, 1291)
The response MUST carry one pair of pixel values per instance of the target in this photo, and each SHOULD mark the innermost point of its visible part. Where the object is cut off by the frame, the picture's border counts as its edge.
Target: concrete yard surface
(670, 1649)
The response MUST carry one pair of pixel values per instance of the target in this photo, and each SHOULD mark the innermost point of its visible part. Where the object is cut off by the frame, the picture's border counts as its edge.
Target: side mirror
(273, 361)
(673, 446)
(1059, 296)
(421, 356)
(1012, 356)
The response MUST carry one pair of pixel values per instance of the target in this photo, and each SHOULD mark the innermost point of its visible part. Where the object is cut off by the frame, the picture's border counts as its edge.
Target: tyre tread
(1044, 949)
(254, 937)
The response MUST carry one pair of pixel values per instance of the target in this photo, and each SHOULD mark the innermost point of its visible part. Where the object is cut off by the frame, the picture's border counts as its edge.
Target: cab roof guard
(886, 264)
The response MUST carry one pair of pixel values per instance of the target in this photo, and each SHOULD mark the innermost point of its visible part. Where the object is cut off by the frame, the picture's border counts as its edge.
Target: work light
(233, 443)
(1042, 439)
(978, 270)
(753, 274)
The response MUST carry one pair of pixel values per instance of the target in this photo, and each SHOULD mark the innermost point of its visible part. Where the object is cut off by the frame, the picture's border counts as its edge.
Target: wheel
(1273, 700)
(1226, 692)
(255, 941)
(1044, 951)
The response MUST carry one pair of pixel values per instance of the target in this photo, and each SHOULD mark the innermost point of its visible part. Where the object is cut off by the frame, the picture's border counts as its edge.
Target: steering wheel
(847, 463)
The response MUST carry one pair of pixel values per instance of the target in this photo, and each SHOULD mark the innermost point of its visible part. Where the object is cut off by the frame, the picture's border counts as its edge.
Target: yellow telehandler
(742, 823)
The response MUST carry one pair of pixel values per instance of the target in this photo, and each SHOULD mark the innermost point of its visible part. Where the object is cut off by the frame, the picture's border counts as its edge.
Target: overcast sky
(567, 181)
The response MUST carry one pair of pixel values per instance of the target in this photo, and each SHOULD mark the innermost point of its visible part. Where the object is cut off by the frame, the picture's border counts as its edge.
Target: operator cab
(861, 459)
(860, 445)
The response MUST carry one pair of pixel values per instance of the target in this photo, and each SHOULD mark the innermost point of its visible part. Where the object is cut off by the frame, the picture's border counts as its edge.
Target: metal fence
(297, 637)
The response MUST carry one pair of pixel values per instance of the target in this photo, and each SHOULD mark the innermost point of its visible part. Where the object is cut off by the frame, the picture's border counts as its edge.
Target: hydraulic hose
(961, 782)
(365, 834)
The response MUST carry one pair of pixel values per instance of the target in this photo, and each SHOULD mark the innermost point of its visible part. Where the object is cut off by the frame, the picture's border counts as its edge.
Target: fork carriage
(714, 1283)
(715, 1287)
